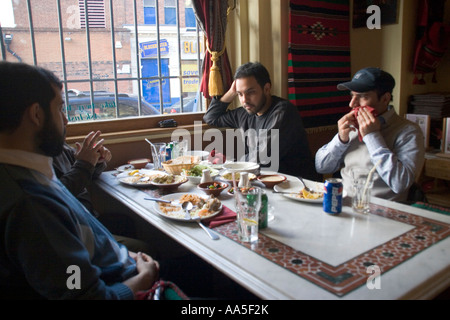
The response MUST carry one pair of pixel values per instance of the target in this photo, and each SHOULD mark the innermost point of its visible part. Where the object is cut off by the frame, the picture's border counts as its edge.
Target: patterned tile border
(341, 280)
(350, 275)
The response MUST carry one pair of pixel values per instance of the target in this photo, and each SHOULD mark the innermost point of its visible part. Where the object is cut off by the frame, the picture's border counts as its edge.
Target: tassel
(215, 84)
(434, 77)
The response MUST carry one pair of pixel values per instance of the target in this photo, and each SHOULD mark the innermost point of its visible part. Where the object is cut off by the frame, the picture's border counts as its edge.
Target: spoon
(187, 206)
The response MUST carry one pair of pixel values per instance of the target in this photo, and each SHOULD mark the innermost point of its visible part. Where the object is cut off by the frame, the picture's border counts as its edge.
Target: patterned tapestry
(319, 59)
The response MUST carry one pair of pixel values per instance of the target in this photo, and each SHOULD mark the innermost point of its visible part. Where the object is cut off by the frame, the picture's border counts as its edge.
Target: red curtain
(212, 16)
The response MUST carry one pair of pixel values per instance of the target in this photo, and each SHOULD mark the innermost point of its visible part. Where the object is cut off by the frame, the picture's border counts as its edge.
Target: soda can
(332, 200)
(168, 153)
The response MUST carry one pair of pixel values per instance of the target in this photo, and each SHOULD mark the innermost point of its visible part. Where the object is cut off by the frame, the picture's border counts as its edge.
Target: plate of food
(168, 181)
(204, 207)
(295, 190)
(130, 167)
(139, 178)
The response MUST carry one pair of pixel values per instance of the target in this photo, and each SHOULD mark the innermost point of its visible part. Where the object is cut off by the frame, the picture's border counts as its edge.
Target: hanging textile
(217, 77)
(319, 59)
(433, 36)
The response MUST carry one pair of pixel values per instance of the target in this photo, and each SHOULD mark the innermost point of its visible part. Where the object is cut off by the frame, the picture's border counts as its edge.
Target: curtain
(212, 16)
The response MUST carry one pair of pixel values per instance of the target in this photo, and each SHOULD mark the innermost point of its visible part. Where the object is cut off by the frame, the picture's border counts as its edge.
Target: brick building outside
(68, 51)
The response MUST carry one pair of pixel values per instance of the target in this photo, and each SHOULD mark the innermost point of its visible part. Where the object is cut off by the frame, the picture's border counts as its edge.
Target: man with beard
(77, 167)
(269, 123)
(51, 247)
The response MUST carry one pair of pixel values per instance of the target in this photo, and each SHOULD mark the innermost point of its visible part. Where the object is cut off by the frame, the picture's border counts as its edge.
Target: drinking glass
(362, 186)
(248, 206)
(159, 155)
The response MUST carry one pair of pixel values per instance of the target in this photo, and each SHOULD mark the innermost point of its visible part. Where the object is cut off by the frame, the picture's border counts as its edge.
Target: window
(150, 12)
(96, 13)
(190, 19)
(170, 12)
(115, 66)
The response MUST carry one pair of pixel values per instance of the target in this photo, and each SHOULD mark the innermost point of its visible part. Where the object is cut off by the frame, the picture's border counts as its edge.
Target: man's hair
(253, 69)
(21, 85)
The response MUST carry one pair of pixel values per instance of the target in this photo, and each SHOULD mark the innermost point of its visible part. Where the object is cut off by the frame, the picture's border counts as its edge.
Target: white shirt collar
(28, 160)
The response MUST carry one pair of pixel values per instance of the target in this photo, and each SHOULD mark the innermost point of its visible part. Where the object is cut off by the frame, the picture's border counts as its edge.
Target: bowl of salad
(213, 188)
(195, 174)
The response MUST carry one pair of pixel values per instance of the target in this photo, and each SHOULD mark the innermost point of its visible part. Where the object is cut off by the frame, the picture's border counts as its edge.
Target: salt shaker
(243, 181)
(206, 176)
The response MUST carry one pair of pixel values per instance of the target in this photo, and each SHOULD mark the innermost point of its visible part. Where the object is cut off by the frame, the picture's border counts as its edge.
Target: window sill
(136, 129)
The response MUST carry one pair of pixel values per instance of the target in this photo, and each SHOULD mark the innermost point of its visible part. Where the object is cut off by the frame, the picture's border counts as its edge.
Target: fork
(304, 185)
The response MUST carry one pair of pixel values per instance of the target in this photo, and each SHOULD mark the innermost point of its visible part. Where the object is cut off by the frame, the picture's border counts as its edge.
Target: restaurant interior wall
(259, 31)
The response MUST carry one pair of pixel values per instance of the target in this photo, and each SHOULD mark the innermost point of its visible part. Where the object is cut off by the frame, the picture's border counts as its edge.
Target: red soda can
(332, 200)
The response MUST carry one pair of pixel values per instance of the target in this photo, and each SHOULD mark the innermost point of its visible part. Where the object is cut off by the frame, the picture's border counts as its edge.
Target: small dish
(270, 180)
(139, 163)
(228, 177)
(213, 188)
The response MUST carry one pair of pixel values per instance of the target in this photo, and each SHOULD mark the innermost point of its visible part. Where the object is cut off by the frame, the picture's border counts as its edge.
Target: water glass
(247, 208)
(362, 186)
(159, 155)
(179, 148)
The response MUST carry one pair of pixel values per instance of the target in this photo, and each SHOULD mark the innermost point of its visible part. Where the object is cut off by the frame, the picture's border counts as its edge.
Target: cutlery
(158, 200)
(284, 192)
(187, 206)
(208, 231)
(304, 185)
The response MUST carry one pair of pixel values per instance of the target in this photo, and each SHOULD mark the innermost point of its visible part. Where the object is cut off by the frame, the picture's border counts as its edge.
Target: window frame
(125, 128)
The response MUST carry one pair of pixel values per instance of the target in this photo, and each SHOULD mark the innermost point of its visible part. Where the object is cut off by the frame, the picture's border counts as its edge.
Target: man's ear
(267, 88)
(386, 98)
(35, 114)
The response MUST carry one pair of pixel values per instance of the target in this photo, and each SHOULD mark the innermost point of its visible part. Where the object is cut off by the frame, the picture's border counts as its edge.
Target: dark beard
(49, 140)
(260, 106)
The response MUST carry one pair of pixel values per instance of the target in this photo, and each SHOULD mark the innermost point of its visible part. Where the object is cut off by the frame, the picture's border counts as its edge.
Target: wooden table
(396, 252)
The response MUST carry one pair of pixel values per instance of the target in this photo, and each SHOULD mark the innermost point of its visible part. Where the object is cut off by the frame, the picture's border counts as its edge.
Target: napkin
(227, 215)
(356, 110)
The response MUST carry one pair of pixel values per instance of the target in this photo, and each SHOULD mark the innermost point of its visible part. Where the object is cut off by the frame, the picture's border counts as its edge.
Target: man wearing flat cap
(372, 133)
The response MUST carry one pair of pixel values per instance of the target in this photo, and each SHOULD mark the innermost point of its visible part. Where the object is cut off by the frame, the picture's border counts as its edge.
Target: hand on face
(346, 124)
(365, 122)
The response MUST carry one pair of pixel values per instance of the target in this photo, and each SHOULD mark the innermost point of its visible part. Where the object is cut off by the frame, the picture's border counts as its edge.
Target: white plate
(218, 166)
(203, 155)
(179, 181)
(241, 166)
(179, 214)
(129, 167)
(296, 186)
(133, 180)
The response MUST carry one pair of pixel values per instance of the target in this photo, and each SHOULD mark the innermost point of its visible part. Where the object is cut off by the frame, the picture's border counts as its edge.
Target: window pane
(149, 15)
(150, 77)
(190, 18)
(170, 16)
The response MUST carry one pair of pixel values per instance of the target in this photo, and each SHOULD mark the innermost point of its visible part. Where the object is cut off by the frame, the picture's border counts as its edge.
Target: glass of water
(247, 207)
